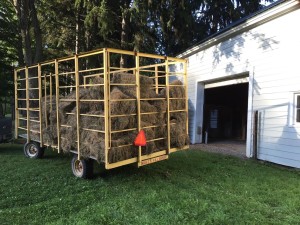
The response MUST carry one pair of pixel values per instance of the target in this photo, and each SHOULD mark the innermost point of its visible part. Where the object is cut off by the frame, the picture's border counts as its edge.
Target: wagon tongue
(140, 139)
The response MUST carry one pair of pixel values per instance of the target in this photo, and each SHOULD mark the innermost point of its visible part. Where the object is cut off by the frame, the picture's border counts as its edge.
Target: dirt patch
(234, 148)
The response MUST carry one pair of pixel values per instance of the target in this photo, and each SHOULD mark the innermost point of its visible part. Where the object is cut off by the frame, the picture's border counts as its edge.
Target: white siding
(270, 54)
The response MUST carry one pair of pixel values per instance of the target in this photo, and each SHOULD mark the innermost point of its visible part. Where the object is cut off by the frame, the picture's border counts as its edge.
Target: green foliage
(191, 187)
(8, 52)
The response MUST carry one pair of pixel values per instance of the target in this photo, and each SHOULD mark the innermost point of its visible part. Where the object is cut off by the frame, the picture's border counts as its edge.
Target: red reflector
(140, 139)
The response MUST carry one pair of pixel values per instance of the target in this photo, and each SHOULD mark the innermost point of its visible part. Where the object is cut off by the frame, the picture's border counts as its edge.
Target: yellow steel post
(138, 101)
(168, 105)
(27, 104)
(108, 95)
(40, 103)
(77, 104)
(106, 107)
(57, 105)
(45, 102)
(16, 104)
(156, 79)
(50, 87)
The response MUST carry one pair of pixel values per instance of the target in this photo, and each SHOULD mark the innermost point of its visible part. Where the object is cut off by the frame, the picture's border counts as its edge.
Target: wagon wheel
(82, 168)
(33, 150)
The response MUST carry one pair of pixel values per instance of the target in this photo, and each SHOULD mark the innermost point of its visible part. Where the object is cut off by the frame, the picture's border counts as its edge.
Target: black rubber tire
(82, 168)
(33, 150)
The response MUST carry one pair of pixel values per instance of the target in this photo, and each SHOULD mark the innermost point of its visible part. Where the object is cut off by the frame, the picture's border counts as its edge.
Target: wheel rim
(78, 168)
(32, 150)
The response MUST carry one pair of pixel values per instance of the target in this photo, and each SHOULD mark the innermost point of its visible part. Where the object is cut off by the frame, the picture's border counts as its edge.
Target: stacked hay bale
(123, 118)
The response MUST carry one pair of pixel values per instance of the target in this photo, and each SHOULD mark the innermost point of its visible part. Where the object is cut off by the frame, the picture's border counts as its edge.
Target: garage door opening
(225, 113)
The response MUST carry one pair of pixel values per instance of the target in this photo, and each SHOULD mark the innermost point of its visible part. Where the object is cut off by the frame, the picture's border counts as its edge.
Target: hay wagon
(90, 106)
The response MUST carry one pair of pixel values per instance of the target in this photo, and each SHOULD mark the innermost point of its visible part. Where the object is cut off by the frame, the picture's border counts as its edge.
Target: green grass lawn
(192, 187)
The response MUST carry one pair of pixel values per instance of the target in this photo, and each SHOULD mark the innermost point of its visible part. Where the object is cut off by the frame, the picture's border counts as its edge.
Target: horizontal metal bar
(33, 88)
(36, 121)
(157, 76)
(113, 50)
(92, 115)
(22, 128)
(122, 115)
(122, 100)
(21, 118)
(66, 73)
(30, 109)
(67, 58)
(93, 75)
(91, 100)
(176, 98)
(64, 125)
(156, 139)
(33, 66)
(90, 85)
(153, 65)
(95, 52)
(21, 99)
(67, 86)
(21, 89)
(99, 131)
(180, 73)
(31, 78)
(67, 100)
(120, 146)
(89, 70)
(158, 71)
(149, 113)
(48, 63)
(150, 99)
(183, 110)
(120, 131)
(20, 79)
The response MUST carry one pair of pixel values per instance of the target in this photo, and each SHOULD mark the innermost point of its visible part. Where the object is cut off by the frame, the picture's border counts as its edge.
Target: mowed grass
(192, 187)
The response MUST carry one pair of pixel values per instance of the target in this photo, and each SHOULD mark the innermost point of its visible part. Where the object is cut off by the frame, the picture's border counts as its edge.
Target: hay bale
(119, 107)
(92, 143)
(146, 84)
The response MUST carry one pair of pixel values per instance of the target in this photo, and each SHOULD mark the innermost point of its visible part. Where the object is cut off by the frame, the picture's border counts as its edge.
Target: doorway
(225, 113)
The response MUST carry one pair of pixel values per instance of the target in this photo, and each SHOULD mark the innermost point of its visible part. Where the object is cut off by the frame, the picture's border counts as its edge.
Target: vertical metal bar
(50, 86)
(45, 102)
(57, 105)
(16, 105)
(168, 106)
(40, 103)
(77, 104)
(106, 107)
(156, 79)
(108, 95)
(138, 102)
(186, 96)
(27, 104)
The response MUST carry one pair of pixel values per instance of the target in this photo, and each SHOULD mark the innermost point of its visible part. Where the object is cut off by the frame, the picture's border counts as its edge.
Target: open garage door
(225, 112)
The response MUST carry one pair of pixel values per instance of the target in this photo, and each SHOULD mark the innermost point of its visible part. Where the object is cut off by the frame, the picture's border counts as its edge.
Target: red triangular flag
(140, 139)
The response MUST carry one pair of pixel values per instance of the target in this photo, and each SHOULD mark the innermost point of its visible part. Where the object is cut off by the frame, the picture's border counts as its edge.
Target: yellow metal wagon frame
(45, 80)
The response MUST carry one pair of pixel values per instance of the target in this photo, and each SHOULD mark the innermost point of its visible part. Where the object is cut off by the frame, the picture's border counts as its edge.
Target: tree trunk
(125, 34)
(37, 33)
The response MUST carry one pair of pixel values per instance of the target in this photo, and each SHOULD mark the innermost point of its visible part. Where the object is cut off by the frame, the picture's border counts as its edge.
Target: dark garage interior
(225, 113)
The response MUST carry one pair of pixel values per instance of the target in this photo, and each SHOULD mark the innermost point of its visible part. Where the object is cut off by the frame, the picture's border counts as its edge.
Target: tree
(9, 52)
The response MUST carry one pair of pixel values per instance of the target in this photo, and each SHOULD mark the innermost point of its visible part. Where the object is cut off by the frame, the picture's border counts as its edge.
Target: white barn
(252, 66)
